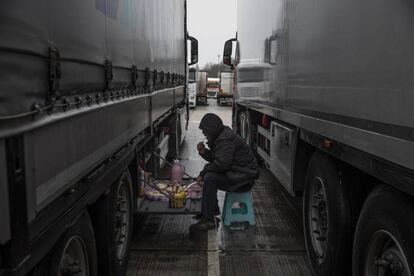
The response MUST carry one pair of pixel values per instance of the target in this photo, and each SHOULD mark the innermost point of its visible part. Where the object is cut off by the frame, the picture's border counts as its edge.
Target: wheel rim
(242, 127)
(74, 259)
(385, 256)
(248, 142)
(318, 218)
(122, 219)
(245, 129)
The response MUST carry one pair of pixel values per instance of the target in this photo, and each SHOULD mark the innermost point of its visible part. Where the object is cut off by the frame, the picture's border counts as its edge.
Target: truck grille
(250, 92)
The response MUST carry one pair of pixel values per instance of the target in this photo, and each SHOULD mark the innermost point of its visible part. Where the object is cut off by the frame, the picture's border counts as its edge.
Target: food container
(154, 191)
(154, 195)
(194, 191)
(161, 184)
(178, 200)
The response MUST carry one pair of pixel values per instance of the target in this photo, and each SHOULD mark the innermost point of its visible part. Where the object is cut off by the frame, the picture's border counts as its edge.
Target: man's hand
(201, 148)
(200, 180)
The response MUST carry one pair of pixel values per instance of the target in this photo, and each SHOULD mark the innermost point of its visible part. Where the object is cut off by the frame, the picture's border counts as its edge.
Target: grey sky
(212, 22)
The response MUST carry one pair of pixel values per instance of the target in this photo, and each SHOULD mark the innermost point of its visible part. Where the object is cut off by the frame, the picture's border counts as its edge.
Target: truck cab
(213, 87)
(253, 81)
(192, 87)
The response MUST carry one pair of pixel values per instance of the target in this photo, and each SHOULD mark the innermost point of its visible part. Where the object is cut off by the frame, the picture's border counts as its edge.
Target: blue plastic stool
(244, 212)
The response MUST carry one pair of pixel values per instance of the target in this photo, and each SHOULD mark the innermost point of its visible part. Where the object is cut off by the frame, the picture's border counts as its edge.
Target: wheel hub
(385, 256)
(318, 218)
(122, 220)
(74, 260)
(390, 264)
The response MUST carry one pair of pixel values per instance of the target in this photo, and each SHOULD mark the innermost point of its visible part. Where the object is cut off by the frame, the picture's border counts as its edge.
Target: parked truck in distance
(225, 94)
(213, 87)
(88, 91)
(192, 87)
(253, 80)
(327, 104)
(202, 88)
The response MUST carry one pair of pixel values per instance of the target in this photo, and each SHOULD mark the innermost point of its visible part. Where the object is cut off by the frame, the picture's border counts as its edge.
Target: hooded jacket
(228, 153)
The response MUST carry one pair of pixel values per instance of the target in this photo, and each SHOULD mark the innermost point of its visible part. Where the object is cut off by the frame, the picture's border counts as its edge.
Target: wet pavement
(275, 246)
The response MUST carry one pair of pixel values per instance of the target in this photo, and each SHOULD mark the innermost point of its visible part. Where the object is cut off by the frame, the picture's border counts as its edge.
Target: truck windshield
(253, 75)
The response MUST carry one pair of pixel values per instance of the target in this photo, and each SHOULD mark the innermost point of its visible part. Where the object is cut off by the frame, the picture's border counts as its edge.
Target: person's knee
(216, 181)
(208, 177)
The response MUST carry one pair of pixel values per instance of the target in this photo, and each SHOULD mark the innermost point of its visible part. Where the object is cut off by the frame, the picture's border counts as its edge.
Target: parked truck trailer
(327, 104)
(225, 94)
(88, 90)
(192, 87)
(202, 88)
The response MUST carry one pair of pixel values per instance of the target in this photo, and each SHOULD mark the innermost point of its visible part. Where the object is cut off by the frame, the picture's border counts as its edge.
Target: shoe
(198, 216)
(204, 225)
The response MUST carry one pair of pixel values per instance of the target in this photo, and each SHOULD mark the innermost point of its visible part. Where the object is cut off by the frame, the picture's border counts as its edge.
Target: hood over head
(212, 125)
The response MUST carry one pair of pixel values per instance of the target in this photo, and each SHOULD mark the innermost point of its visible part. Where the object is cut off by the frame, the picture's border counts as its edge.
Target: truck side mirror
(228, 51)
(273, 48)
(194, 50)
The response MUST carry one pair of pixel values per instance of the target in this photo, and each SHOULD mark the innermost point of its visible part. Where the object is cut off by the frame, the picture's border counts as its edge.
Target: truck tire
(74, 253)
(113, 224)
(384, 238)
(327, 218)
(246, 128)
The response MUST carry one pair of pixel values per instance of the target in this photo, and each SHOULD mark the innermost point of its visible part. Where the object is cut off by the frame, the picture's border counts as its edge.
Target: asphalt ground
(162, 244)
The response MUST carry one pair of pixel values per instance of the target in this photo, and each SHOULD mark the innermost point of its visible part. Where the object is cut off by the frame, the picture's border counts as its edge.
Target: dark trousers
(212, 183)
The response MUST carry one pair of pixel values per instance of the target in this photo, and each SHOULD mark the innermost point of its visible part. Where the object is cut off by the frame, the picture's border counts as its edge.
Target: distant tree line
(214, 69)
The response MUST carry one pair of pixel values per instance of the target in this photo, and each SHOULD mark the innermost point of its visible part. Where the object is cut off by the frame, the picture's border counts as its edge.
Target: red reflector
(265, 121)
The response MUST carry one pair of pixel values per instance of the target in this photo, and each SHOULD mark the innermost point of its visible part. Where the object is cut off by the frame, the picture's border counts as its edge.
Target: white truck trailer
(329, 107)
(225, 94)
(192, 87)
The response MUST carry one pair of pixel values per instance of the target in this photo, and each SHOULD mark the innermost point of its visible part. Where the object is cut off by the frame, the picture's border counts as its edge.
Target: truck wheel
(246, 128)
(74, 254)
(384, 238)
(114, 218)
(327, 218)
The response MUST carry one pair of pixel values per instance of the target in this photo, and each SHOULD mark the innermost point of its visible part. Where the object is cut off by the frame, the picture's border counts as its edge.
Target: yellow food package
(178, 200)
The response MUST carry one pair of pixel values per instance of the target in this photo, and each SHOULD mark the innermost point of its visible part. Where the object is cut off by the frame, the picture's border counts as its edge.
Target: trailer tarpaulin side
(4, 197)
(87, 36)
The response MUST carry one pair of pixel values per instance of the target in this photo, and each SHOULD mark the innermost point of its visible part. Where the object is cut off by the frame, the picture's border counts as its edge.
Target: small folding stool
(238, 209)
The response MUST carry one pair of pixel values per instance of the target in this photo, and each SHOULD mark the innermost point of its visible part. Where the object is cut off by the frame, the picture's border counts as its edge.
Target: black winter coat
(229, 154)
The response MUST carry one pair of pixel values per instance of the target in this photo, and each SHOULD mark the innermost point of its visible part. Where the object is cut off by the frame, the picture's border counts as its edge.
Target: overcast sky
(212, 22)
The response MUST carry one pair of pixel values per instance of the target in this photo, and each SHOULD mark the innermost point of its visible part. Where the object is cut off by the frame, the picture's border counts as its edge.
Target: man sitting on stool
(232, 167)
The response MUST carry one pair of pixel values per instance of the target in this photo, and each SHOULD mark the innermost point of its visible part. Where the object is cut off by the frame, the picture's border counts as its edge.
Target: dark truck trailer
(202, 88)
(325, 97)
(88, 89)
